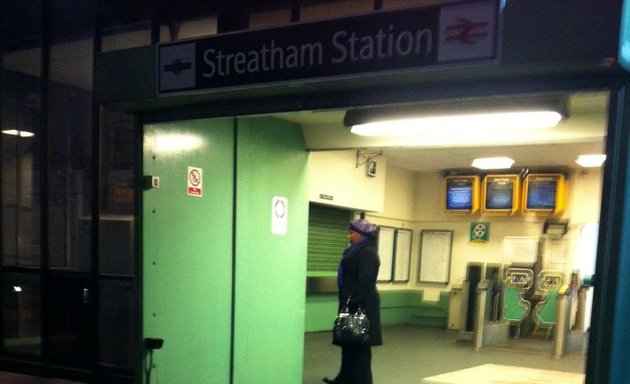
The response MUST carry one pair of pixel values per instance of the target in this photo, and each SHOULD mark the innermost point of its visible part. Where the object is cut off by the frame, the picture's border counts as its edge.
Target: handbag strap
(347, 306)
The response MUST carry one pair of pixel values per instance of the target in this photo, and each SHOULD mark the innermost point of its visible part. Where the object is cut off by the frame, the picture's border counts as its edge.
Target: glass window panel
(269, 18)
(21, 302)
(327, 10)
(197, 19)
(20, 124)
(189, 28)
(72, 17)
(70, 144)
(21, 20)
(116, 326)
(412, 3)
(9, 234)
(127, 24)
(124, 37)
(117, 212)
(68, 322)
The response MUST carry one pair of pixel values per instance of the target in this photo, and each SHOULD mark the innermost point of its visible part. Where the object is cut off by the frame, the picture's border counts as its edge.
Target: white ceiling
(583, 131)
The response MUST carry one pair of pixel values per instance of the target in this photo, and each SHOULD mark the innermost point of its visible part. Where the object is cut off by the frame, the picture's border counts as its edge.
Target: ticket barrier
(516, 307)
(548, 285)
(562, 321)
(488, 332)
(551, 312)
(469, 302)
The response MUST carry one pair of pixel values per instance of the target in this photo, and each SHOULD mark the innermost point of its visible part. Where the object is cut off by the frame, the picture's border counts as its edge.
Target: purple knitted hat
(363, 227)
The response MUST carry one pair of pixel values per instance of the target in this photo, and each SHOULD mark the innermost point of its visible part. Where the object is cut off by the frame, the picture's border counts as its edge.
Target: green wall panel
(270, 269)
(400, 307)
(321, 310)
(187, 251)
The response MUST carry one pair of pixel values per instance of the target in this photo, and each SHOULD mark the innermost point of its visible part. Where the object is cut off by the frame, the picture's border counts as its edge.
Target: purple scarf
(346, 252)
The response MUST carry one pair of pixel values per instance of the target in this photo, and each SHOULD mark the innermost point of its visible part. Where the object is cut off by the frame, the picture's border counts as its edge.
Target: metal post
(562, 321)
(480, 315)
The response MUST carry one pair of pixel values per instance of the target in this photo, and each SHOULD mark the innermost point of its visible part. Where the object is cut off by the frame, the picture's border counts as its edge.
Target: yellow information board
(544, 194)
(500, 194)
(461, 194)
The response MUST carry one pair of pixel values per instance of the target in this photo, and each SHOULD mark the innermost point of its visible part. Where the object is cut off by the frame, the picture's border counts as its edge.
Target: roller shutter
(327, 237)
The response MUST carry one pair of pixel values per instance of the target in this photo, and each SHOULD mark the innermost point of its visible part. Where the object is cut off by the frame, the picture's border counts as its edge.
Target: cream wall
(339, 178)
(586, 189)
(414, 201)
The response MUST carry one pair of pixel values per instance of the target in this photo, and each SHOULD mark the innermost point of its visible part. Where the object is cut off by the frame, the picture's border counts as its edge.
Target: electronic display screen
(500, 194)
(541, 193)
(459, 194)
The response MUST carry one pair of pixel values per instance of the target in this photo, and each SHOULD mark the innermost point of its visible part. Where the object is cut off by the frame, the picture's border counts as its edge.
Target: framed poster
(435, 256)
(385, 252)
(402, 255)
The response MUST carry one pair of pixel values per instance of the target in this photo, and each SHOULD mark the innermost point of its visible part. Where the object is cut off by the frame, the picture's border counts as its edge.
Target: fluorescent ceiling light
(15, 132)
(493, 163)
(590, 161)
(472, 123)
(170, 143)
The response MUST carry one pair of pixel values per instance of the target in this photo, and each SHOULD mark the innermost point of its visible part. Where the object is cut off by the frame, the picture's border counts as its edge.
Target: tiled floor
(494, 373)
(411, 354)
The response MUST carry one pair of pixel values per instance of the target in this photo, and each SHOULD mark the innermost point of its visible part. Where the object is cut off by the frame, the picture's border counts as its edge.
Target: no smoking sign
(195, 181)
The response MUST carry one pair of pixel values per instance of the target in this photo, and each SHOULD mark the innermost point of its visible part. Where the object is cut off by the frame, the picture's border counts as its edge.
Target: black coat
(359, 273)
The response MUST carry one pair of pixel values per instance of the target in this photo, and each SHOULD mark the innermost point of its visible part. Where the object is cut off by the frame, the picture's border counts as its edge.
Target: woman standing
(356, 279)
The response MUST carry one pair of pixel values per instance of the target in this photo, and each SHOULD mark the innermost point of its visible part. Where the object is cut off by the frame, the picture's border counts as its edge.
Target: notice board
(520, 249)
(402, 255)
(385, 252)
(435, 256)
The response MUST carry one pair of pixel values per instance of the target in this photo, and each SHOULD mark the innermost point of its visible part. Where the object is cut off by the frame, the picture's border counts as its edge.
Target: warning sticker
(195, 181)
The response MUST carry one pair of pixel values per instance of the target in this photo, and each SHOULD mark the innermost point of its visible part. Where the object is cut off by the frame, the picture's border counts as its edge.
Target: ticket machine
(516, 307)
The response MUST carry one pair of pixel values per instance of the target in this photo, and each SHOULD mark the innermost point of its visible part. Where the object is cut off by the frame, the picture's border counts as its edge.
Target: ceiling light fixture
(488, 116)
(171, 143)
(591, 161)
(457, 124)
(493, 163)
(15, 132)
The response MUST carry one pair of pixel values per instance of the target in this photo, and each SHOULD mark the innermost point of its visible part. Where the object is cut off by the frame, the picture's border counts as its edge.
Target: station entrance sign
(370, 44)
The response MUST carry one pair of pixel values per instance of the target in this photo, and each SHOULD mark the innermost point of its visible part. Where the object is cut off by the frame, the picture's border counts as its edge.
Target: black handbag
(351, 328)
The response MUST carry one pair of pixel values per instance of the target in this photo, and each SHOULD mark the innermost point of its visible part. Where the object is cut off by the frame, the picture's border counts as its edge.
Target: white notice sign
(279, 215)
(520, 249)
(195, 182)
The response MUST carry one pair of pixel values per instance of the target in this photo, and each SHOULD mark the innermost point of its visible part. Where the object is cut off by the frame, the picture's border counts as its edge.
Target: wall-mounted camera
(371, 168)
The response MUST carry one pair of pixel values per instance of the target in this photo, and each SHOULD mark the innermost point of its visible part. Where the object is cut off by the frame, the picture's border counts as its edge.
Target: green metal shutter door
(327, 237)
